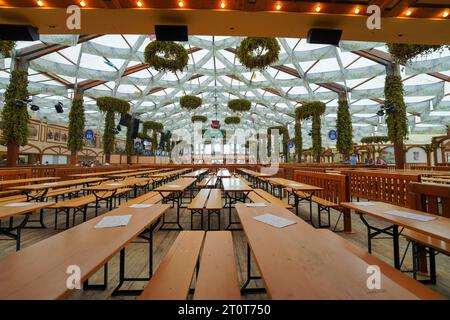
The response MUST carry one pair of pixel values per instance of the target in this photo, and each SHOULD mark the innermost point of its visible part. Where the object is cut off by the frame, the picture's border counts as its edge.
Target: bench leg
(102, 286)
(200, 212)
(8, 231)
(40, 220)
(417, 250)
(209, 218)
(250, 277)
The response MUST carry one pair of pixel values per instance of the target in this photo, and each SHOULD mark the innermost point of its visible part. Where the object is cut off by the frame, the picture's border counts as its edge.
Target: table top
(300, 262)
(223, 173)
(100, 173)
(438, 228)
(195, 173)
(58, 184)
(6, 210)
(256, 173)
(167, 173)
(26, 275)
(114, 185)
(132, 174)
(28, 180)
(178, 185)
(294, 185)
(235, 184)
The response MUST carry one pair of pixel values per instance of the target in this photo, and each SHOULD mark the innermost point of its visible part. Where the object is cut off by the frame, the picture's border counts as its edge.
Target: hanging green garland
(155, 127)
(258, 52)
(166, 56)
(314, 110)
(15, 119)
(404, 53)
(199, 118)
(75, 141)
(232, 120)
(111, 106)
(375, 139)
(190, 102)
(6, 47)
(397, 123)
(344, 143)
(298, 142)
(239, 105)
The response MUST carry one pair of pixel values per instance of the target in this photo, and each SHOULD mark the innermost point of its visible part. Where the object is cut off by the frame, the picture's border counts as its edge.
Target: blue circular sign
(137, 144)
(89, 134)
(290, 144)
(332, 134)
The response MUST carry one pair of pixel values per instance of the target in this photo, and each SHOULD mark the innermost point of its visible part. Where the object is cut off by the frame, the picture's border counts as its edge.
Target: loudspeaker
(134, 125)
(324, 36)
(125, 120)
(171, 33)
(59, 107)
(18, 32)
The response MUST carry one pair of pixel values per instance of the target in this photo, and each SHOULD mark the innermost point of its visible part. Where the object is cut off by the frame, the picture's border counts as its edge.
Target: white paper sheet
(18, 204)
(173, 185)
(256, 204)
(274, 220)
(409, 215)
(50, 183)
(365, 203)
(114, 184)
(140, 206)
(295, 185)
(113, 221)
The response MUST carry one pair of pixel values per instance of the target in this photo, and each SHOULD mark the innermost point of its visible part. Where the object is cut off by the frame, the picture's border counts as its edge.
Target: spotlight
(119, 128)
(115, 131)
(445, 14)
(82, 3)
(380, 113)
(59, 107)
(181, 4)
(318, 8)
(310, 133)
(278, 7)
(356, 10)
(40, 3)
(408, 13)
(390, 109)
(19, 103)
(139, 4)
(222, 4)
(34, 107)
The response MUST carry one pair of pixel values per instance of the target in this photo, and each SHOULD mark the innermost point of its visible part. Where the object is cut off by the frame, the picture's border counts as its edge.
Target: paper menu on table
(140, 206)
(173, 185)
(50, 183)
(295, 185)
(365, 203)
(114, 184)
(409, 215)
(256, 204)
(274, 220)
(17, 204)
(113, 221)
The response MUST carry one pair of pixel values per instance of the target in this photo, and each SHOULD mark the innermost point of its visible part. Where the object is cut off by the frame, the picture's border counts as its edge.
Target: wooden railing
(378, 186)
(334, 189)
(429, 168)
(431, 198)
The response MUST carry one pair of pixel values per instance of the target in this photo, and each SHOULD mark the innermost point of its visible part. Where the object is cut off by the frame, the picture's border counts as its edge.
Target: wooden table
(196, 174)
(301, 262)
(40, 271)
(41, 189)
(257, 178)
(235, 191)
(9, 210)
(4, 183)
(306, 189)
(438, 228)
(99, 174)
(174, 191)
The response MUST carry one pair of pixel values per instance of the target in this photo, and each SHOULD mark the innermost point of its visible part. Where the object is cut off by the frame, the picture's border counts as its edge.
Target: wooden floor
(136, 253)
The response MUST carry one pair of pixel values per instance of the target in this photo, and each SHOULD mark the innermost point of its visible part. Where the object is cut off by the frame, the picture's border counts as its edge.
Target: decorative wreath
(403, 53)
(258, 52)
(190, 102)
(232, 120)
(166, 56)
(199, 118)
(239, 105)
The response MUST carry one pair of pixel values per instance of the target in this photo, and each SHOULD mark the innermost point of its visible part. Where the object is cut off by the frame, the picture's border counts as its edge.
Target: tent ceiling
(113, 65)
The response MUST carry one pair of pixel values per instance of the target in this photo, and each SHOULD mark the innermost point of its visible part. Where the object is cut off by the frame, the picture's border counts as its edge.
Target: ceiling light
(222, 4)
(82, 3)
(139, 4)
(278, 7)
(408, 12)
(380, 113)
(40, 3)
(34, 107)
(318, 8)
(356, 10)
(181, 4)
(445, 14)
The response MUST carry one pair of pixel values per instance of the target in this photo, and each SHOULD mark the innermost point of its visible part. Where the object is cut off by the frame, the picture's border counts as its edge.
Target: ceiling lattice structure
(113, 65)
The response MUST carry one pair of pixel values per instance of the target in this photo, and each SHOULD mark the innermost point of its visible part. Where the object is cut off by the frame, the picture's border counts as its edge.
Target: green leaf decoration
(258, 52)
(166, 56)
(190, 102)
(75, 141)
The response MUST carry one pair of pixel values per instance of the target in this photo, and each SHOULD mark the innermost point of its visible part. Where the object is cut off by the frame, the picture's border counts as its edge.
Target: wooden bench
(212, 183)
(78, 205)
(55, 193)
(214, 205)
(173, 278)
(149, 197)
(271, 198)
(15, 198)
(206, 199)
(434, 199)
(217, 276)
(203, 183)
(197, 205)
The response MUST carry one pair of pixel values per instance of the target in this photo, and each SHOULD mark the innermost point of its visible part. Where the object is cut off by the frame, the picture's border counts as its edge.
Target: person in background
(353, 160)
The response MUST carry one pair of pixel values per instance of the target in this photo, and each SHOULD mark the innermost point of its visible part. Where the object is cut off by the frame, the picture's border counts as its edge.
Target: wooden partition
(431, 198)
(334, 189)
(380, 186)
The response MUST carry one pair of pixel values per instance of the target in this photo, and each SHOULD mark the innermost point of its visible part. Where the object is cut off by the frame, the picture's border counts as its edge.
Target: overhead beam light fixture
(82, 3)
(278, 7)
(181, 4)
(445, 14)
(318, 8)
(139, 4)
(223, 4)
